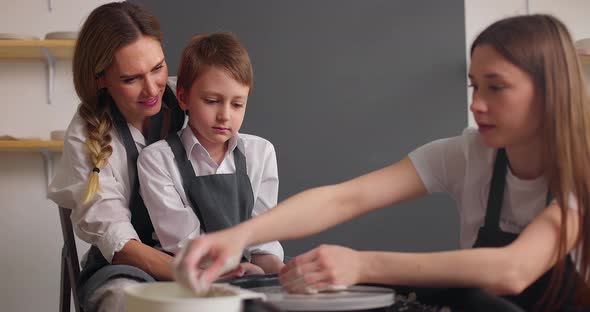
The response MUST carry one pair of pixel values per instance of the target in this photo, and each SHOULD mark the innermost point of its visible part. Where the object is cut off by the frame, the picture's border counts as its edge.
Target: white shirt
(106, 220)
(171, 212)
(462, 166)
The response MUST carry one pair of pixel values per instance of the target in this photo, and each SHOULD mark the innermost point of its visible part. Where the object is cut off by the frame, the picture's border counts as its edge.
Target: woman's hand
(321, 268)
(206, 258)
(152, 261)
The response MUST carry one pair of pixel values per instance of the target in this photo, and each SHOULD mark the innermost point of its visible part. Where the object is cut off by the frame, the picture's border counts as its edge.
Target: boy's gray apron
(219, 200)
(97, 270)
(490, 235)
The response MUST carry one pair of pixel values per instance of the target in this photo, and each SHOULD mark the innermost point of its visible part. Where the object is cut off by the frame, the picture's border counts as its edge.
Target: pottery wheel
(353, 298)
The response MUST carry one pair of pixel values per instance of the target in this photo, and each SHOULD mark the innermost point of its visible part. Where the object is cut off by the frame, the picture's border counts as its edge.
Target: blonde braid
(98, 133)
(107, 29)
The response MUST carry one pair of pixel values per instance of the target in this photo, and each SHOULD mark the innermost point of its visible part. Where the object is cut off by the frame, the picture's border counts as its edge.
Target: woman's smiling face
(136, 79)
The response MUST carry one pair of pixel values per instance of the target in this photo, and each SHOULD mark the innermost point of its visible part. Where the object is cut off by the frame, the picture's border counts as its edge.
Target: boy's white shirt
(462, 166)
(171, 212)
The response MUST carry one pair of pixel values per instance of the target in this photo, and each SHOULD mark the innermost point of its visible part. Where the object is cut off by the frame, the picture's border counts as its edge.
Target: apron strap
(184, 165)
(240, 161)
(125, 135)
(187, 172)
(156, 123)
(140, 218)
(548, 198)
(496, 195)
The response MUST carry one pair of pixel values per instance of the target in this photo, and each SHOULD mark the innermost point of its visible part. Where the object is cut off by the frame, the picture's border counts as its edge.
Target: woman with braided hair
(120, 75)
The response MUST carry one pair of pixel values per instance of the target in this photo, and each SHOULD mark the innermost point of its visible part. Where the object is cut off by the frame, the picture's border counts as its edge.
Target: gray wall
(344, 87)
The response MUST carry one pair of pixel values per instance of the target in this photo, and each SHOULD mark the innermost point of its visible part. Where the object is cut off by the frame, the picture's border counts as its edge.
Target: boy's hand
(269, 263)
(220, 250)
(244, 268)
(250, 268)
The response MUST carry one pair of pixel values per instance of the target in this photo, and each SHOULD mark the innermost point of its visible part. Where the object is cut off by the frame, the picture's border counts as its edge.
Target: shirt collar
(136, 135)
(190, 141)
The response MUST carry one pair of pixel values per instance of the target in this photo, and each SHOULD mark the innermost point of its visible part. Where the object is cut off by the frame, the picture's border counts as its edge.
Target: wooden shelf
(34, 49)
(46, 148)
(31, 146)
(48, 50)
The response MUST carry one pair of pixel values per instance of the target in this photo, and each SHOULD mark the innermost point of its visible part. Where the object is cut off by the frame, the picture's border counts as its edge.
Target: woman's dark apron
(97, 271)
(490, 235)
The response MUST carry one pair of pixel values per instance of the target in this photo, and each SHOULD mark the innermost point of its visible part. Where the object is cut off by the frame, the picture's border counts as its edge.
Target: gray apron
(219, 200)
(97, 271)
(490, 235)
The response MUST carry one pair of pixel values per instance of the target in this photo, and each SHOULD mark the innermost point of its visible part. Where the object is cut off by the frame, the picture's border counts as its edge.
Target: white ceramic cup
(57, 135)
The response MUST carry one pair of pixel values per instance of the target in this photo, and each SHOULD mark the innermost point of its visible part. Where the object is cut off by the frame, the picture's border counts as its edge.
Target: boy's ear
(181, 96)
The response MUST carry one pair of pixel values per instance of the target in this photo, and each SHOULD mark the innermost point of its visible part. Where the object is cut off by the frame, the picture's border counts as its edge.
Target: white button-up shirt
(163, 193)
(106, 220)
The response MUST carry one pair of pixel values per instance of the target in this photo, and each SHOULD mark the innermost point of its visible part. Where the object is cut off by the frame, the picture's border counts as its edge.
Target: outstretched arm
(320, 208)
(506, 270)
(304, 214)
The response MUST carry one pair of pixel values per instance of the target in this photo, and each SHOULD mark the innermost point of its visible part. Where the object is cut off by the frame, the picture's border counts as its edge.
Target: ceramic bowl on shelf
(14, 36)
(583, 46)
(171, 297)
(57, 135)
(61, 35)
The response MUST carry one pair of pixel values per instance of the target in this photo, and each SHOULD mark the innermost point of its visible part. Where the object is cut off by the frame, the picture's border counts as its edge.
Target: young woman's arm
(304, 214)
(265, 176)
(320, 208)
(506, 270)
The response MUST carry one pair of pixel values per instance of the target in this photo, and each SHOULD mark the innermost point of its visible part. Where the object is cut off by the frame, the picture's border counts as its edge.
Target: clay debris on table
(411, 304)
(215, 291)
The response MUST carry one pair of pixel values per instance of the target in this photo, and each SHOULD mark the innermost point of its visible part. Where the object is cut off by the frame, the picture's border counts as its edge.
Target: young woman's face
(504, 104)
(137, 79)
(216, 104)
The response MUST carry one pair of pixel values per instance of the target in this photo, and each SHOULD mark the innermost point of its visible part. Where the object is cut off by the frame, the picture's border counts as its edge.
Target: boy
(209, 177)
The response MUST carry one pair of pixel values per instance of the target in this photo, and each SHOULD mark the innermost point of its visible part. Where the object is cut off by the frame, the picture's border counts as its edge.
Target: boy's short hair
(218, 49)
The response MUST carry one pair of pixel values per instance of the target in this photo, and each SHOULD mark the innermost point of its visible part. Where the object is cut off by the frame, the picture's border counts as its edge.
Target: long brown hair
(542, 46)
(217, 49)
(108, 28)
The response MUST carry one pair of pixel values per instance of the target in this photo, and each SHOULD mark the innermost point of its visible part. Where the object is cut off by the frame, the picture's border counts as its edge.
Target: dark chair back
(70, 266)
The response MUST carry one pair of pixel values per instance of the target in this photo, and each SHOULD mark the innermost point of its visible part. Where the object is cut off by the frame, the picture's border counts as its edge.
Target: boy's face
(216, 105)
